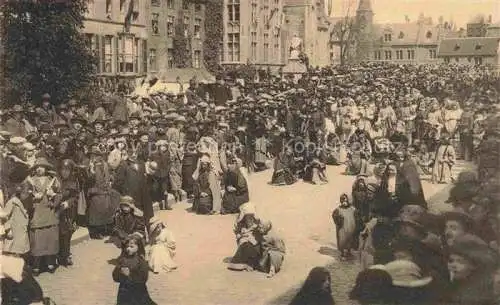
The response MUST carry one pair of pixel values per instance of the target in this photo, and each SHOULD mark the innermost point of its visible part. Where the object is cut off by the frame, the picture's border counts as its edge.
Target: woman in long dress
(44, 221)
(443, 162)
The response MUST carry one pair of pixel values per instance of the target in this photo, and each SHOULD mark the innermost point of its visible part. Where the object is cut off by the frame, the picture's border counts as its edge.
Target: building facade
(308, 20)
(167, 19)
(253, 33)
(122, 52)
(471, 51)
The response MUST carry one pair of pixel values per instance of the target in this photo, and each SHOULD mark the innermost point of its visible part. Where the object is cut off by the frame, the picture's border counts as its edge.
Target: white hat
(247, 208)
(404, 273)
(17, 140)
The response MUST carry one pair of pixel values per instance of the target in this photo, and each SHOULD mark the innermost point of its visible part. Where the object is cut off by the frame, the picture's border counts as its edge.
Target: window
(411, 54)
(92, 42)
(136, 55)
(377, 55)
(144, 58)
(186, 26)
(387, 37)
(432, 54)
(108, 6)
(155, 2)
(170, 25)
(197, 28)
(197, 7)
(170, 4)
(108, 55)
(276, 45)
(254, 13)
(401, 35)
(197, 60)
(428, 35)
(478, 60)
(399, 54)
(154, 24)
(233, 47)
(254, 45)
(185, 4)
(233, 10)
(152, 60)
(266, 48)
(447, 60)
(170, 58)
(388, 55)
(127, 55)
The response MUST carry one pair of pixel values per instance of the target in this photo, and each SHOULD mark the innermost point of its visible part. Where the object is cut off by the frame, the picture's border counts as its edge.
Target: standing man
(221, 92)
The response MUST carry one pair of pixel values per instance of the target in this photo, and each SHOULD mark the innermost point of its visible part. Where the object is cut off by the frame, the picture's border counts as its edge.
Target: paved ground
(302, 213)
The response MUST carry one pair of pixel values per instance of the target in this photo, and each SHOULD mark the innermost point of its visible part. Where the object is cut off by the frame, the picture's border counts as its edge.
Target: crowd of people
(105, 164)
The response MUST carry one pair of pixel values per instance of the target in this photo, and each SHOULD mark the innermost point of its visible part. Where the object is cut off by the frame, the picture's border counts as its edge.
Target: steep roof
(469, 46)
(410, 33)
(365, 5)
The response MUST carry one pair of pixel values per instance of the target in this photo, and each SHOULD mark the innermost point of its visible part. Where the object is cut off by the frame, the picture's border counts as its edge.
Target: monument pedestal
(294, 67)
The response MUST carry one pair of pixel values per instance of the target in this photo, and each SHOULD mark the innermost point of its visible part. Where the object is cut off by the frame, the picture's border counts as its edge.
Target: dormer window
(478, 46)
(428, 35)
(457, 47)
(401, 35)
(387, 37)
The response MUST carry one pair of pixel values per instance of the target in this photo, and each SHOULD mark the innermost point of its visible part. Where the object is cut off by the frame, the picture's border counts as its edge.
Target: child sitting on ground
(162, 251)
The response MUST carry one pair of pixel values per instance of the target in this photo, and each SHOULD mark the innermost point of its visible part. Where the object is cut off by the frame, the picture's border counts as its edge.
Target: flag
(128, 16)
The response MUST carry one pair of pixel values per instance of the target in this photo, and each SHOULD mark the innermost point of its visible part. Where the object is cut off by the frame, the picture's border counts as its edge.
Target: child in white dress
(162, 249)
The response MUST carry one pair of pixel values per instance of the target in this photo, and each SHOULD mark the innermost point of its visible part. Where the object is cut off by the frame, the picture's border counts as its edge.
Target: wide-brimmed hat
(405, 273)
(247, 208)
(42, 162)
(127, 200)
(460, 216)
(17, 140)
(475, 250)
(154, 222)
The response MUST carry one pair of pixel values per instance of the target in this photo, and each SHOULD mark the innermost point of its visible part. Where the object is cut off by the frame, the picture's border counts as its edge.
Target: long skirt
(161, 258)
(134, 294)
(188, 167)
(247, 254)
(44, 241)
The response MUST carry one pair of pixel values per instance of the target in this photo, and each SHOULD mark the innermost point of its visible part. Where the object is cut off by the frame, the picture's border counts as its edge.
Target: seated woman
(333, 149)
(315, 170)
(283, 168)
(236, 188)
(360, 151)
(202, 188)
(248, 254)
(273, 249)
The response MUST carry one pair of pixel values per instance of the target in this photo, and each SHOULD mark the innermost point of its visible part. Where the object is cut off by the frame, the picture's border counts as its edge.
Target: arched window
(428, 35)
(401, 35)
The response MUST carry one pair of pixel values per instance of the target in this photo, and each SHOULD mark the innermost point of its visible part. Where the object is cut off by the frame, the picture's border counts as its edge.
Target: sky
(461, 11)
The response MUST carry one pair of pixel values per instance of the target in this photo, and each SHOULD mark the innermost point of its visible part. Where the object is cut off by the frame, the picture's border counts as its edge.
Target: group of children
(133, 265)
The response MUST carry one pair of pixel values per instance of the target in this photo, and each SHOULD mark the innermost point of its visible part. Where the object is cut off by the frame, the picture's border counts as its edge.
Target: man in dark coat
(408, 185)
(221, 92)
(130, 180)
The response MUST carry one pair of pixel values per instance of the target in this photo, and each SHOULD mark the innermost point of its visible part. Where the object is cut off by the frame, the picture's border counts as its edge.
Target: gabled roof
(410, 33)
(469, 46)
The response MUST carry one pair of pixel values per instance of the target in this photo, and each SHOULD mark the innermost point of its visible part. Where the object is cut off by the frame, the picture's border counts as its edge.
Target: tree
(343, 34)
(213, 35)
(181, 44)
(45, 50)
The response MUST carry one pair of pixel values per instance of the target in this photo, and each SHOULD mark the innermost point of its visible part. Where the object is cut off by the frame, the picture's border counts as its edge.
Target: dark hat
(460, 216)
(475, 250)
(134, 115)
(42, 162)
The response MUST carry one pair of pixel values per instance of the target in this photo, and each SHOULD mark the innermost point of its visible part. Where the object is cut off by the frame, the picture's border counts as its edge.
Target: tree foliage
(181, 44)
(45, 50)
(343, 34)
(213, 35)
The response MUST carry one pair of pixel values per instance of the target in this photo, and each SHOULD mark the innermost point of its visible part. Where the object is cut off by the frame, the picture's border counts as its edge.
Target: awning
(185, 75)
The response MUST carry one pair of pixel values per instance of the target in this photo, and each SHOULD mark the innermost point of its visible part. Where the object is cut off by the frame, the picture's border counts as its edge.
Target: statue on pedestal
(295, 47)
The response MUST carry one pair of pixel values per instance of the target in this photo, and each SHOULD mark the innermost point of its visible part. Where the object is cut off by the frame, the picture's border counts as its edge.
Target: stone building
(308, 20)
(122, 52)
(471, 51)
(166, 19)
(405, 43)
(253, 33)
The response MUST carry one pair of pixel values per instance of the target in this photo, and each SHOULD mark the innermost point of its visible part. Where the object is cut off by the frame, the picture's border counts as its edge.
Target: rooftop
(469, 46)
